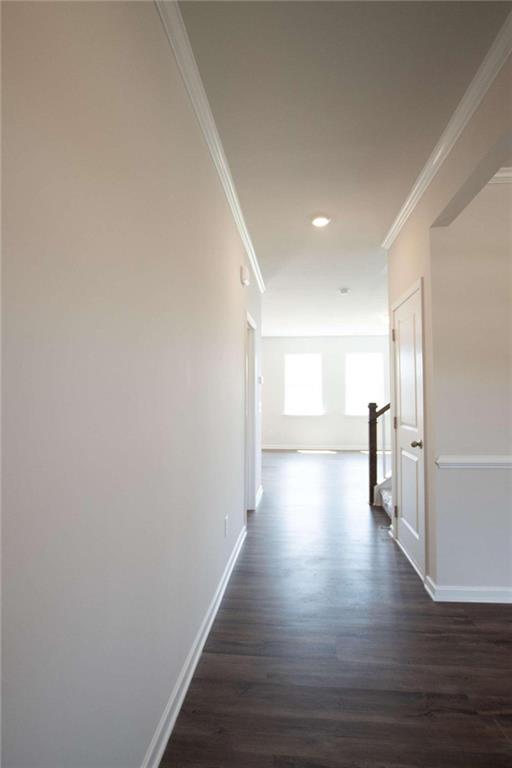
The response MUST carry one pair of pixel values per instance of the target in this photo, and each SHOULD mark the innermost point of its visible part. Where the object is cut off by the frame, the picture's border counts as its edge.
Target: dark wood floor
(328, 653)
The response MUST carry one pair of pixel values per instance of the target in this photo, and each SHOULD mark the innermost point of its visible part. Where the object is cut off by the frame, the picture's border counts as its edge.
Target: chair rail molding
(484, 461)
(176, 33)
(482, 81)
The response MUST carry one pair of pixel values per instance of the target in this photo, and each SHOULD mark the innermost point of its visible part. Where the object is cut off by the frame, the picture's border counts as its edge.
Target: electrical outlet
(226, 521)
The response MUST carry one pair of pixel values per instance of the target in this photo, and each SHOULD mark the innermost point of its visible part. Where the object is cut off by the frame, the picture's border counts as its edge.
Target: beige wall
(123, 351)
(410, 259)
(333, 429)
(471, 263)
(472, 324)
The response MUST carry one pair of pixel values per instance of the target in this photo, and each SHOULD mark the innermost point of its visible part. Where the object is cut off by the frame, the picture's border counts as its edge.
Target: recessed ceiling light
(321, 221)
(344, 291)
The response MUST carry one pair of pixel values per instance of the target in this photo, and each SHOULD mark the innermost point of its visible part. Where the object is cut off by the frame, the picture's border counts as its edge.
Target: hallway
(328, 653)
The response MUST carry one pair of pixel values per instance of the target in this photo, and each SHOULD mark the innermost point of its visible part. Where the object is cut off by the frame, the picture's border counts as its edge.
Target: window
(364, 382)
(303, 385)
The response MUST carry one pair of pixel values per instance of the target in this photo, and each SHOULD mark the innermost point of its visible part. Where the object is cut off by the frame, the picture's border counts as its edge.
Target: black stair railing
(374, 413)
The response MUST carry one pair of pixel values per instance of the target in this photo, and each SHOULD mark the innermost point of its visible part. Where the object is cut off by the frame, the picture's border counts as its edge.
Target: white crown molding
(503, 176)
(474, 462)
(177, 36)
(449, 594)
(164, 729)
(485, 76)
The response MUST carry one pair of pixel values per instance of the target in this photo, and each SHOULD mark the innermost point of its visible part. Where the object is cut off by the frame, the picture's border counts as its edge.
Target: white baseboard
(442, 594)
(315, 447)
(459, 594)
(259, 495)
(429, 586)
(164, 729)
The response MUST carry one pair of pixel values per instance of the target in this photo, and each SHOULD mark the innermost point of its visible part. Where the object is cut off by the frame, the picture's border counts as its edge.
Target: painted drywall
(472, 260)
(471, 268)
(333, 429)
(123, 359)
(333, 110)
(409, 259)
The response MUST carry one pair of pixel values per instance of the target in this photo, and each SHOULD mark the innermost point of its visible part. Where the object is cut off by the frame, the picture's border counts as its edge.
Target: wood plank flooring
(328, 653)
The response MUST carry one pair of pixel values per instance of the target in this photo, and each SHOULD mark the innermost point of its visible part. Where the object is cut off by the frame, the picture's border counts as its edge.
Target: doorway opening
(250, 416)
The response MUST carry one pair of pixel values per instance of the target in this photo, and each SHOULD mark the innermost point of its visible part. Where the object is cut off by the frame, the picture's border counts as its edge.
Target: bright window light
(364, 382)
(303, 385)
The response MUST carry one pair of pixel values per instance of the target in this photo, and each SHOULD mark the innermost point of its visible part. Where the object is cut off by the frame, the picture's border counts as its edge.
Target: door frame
(250, 414)
(418, 285)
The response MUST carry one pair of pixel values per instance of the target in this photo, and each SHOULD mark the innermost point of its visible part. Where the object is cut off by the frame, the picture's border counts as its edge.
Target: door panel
(408, 402)
(409, 490)
(410, 464)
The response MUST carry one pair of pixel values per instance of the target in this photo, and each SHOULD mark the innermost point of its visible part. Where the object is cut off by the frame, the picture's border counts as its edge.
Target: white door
(410, 449)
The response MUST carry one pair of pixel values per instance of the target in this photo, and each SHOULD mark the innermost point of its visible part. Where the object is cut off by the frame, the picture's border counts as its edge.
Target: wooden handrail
(373, 416)
(382, 410)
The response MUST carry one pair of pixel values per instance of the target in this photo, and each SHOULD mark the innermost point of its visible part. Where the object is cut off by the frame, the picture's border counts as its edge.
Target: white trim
(259, 496)
(430, 587)
(416, 286)
(503, 176)
(270, 447)
(165, 726)
(474, 462)
(482, 81)
(467, 594)
(177, 36)
(251, 321)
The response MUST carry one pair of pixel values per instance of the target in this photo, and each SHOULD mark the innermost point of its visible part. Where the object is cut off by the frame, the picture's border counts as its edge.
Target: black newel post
(372, 448)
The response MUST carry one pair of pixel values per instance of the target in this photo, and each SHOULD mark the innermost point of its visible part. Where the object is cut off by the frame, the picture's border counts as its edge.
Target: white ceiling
(331, 107)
